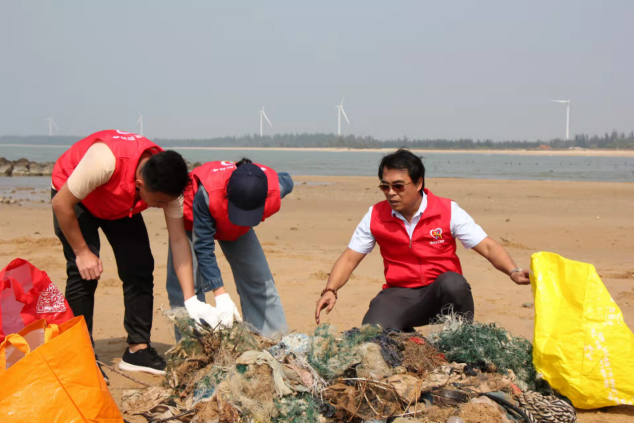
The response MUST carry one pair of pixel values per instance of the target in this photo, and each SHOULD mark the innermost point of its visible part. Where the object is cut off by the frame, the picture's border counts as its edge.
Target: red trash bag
(27, 295)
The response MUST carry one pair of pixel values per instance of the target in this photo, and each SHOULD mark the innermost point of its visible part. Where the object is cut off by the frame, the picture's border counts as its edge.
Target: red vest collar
(432, 209)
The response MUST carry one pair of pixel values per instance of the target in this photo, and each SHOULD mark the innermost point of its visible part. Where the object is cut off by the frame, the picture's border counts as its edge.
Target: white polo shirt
(462, 227)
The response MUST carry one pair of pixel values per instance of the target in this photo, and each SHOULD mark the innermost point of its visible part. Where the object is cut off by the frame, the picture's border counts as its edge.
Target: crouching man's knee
(453, 289)
(453, 283)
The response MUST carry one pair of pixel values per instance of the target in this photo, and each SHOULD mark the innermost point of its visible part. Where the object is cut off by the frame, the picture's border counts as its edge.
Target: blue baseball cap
(246, 195)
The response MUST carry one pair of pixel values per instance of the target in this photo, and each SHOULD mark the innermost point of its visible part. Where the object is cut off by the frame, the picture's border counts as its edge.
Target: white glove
(199, 310)
(227, 311)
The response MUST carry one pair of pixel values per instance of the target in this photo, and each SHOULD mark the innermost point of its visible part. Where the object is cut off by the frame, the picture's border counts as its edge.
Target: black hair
(404, 159)
(166, 172)
(243, 161)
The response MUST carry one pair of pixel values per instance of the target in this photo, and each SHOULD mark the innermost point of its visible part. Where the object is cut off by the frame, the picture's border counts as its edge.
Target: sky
(201, 69)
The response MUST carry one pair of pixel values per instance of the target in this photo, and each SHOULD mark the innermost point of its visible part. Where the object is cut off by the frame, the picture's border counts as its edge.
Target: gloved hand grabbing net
(227, 311)
(200, 311)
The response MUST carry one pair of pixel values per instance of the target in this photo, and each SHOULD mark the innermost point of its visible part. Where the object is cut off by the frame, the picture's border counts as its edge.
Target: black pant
(405, 308)
(135, 264)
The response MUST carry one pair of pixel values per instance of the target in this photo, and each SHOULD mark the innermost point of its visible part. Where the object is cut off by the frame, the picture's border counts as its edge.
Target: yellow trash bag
(48, 374)
(582, 346)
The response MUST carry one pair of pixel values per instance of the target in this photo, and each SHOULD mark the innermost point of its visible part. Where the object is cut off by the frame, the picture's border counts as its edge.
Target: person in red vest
(416, 232)
(223, 203)
(105, 181)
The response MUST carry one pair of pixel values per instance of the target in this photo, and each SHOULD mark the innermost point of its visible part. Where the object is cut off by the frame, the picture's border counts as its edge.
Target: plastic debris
(362, 375)
(372, 364)
(296, 343)
(264, 357)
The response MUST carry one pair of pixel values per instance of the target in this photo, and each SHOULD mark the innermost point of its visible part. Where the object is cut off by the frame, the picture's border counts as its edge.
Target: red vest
(214, 177)
(116, 198)
(431, 252)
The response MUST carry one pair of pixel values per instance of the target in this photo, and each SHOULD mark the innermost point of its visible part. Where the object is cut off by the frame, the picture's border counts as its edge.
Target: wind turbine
(140, 122)
(262, 114)
(568, 103)
(51, 125)
(340, 112)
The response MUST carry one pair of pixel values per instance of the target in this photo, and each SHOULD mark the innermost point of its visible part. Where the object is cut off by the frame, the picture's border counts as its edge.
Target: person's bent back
(105, 181)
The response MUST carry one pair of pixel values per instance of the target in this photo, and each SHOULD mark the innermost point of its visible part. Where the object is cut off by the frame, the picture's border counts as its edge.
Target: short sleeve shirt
(462, 227)
(96, 168)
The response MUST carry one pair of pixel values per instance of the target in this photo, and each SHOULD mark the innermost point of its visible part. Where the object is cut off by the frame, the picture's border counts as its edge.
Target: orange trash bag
(48, 374)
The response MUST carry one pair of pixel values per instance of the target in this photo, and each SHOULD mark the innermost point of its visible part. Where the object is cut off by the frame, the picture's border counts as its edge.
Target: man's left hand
(521, 277)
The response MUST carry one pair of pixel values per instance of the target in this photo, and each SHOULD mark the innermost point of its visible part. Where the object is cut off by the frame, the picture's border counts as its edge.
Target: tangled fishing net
(487, 347)
(364, 374)
(332, 354)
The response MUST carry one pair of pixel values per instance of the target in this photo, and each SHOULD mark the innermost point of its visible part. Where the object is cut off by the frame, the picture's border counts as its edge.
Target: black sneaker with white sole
(146, 360)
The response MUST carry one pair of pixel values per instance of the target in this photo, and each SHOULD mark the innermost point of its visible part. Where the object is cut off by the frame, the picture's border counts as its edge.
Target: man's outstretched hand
(521, 277)
(326, 301)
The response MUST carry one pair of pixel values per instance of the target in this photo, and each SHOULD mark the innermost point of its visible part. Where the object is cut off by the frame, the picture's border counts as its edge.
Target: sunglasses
(397, 187)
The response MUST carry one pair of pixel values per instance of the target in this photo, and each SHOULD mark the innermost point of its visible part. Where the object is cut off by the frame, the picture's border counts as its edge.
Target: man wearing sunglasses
(416, 232)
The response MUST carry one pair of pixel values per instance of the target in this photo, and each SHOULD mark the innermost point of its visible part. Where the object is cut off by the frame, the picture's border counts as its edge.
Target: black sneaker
(146, 360)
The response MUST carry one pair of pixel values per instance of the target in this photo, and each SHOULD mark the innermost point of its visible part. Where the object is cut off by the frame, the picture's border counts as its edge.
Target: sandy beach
(586, 221)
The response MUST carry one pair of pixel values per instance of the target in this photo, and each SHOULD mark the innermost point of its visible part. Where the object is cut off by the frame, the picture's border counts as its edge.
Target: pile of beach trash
(463, 372)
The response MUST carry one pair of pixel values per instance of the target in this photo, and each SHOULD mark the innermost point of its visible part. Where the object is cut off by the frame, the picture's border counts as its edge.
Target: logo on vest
(437, 234)
(126, 136)
(228, 165)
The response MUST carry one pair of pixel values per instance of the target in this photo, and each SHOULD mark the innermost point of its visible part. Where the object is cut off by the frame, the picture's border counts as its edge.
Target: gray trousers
(259, 299)
(406, 308)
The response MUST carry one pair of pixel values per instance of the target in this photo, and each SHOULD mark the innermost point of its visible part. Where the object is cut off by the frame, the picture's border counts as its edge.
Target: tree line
(612, 140)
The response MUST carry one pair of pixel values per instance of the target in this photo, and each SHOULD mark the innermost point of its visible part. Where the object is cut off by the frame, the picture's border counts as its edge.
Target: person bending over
(105, 181)
(222, 205)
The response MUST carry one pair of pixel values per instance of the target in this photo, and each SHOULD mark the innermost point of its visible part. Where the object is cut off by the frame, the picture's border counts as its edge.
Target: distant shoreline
(590, 153)
(582, 153)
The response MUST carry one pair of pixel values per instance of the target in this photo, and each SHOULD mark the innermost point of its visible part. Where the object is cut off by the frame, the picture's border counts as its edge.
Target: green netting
(298, 409)
(331, 355)
(202, 370)
(486, 346)
(241, 337)
(214, 376)
(252, 392)
(219, 348)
